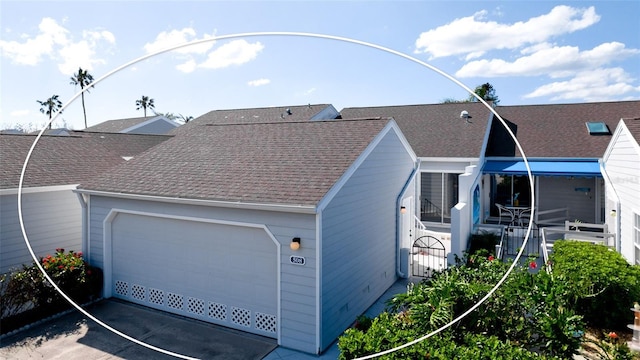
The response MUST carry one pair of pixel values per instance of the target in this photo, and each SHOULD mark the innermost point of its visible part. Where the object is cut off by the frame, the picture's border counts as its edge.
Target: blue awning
(543, 168)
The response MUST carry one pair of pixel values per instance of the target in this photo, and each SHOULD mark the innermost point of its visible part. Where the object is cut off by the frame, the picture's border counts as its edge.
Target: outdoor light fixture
(613, 213)
(403, 210)
(295, 243)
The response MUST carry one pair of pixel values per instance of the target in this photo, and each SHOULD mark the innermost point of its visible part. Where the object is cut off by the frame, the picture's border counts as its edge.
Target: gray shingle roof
(435, 130)
(559, 130)
(293, 163)
(254, 115)
(115, 126)
(634, 128)
(65, 160)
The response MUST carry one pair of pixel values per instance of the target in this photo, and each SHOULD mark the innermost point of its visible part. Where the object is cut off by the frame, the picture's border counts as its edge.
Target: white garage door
(218, 273)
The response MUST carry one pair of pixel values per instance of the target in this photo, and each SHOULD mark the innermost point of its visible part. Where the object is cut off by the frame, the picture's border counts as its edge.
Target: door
(224, 274)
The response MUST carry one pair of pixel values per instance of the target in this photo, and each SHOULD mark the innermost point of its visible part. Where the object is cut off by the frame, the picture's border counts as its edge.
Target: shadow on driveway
(72, 336)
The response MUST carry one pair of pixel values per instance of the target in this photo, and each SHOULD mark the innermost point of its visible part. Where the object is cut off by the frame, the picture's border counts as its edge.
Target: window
(509, 190)
(439, 193)
(598, 128)
(636, 237)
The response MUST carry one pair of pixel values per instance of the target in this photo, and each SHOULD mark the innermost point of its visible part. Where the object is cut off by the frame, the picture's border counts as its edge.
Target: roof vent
(288, 111)
(465, 115)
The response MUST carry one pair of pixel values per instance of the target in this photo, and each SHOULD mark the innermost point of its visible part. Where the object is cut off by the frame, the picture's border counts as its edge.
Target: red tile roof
(293, 163)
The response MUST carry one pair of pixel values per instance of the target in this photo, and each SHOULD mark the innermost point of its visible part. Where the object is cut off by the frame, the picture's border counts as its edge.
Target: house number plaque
(296, 260)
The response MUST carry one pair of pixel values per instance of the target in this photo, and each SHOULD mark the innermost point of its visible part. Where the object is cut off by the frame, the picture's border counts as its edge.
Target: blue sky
(533, 52)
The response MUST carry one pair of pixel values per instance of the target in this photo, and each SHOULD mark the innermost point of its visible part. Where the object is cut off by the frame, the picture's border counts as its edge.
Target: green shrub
(603, 286)
(28, 290)
(528, 312)
(484, 240)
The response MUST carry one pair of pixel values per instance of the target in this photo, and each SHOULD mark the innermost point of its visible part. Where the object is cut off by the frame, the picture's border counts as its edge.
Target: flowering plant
(612, 347)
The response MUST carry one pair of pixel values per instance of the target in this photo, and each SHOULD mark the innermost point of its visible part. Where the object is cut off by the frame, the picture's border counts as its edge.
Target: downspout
(85, 227)
(618, 222)
(398, 220)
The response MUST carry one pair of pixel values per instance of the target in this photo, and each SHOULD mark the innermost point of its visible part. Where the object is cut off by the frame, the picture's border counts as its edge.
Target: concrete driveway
(72, 336)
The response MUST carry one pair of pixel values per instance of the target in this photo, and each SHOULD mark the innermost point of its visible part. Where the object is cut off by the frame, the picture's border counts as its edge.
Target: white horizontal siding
(623, 168)
(298, 284)
(52, 220)
(359, 237)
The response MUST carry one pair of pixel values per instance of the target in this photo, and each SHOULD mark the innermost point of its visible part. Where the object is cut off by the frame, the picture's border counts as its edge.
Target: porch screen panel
(439, 193)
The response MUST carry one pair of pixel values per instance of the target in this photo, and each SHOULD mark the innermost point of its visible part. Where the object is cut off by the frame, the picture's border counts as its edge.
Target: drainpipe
(618, 222)
(85, 224)
(399, 221)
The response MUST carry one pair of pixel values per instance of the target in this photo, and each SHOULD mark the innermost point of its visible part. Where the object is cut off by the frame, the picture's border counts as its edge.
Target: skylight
(598, 128)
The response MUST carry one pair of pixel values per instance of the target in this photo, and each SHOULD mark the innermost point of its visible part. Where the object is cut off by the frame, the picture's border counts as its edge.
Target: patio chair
(523, 217)
(502, 210)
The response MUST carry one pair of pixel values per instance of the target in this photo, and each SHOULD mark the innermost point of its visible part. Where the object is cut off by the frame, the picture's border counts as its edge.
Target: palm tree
(185, 119)
(144, 104)
(50, 106)
(84, 79)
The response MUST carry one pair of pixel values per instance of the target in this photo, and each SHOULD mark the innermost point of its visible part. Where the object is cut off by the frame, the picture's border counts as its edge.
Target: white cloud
(474, 36)
(55, 42)
(167, 39)
(236, 52)
(556, 61)
(259, 82)
(188, 66)
(19, 113)
(590, 85)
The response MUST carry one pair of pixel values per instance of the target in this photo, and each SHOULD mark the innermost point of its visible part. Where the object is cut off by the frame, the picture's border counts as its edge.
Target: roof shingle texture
(560, 130)
(115, 126)
(634, 128)
(435, 130)
(293, 163)
(253, 116)
(66, 160)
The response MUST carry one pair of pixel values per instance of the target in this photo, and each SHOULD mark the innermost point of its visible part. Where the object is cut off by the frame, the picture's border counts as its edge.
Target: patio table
(518, 211)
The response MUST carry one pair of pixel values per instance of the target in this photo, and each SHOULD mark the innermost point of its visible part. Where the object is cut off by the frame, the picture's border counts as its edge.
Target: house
(286, 229)
(157, 125)
(51, 211)
(449, 140)
(621, 170)
(467, 166)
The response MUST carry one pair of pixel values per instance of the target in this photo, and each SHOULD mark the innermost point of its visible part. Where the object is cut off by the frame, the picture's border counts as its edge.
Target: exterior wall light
(295, 244)
(403, 210)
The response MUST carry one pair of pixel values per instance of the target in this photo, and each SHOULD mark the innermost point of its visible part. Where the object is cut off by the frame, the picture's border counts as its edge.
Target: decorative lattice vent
(241, 316)
(122, 288)
(218, 311)
(266, 322)
(156, 296)
(175, 301)
(195, 306)
(138, 292)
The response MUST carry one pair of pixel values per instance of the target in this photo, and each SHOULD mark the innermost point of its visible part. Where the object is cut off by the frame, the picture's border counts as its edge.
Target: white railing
(571, 231)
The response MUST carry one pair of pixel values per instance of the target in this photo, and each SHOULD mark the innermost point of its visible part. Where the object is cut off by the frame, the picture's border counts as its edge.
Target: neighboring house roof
(435, 130)
(262, 115)
(67, 160)
(293, 163)
(129, 125)
(557, 130)
(125, 145)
